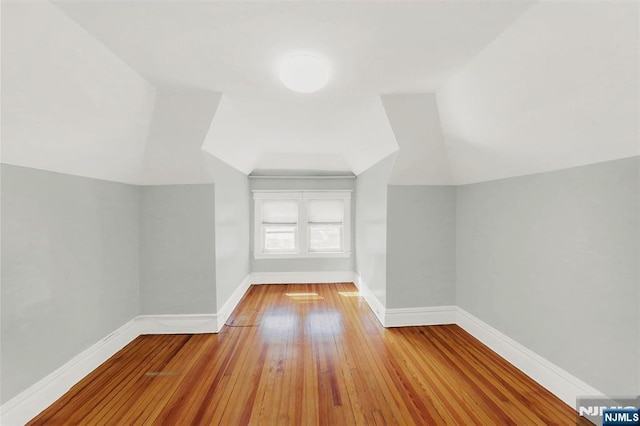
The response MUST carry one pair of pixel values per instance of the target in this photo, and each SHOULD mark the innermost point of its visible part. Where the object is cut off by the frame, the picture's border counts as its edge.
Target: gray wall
(232, 220)
(371, 226)
(421, 254)
(303, 265)
(69, 269)
(177, 249)
(551, 260)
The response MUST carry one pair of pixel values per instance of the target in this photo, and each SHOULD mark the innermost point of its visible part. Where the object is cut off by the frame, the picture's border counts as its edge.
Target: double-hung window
(279, 226)
(302, 224)
(325, 225)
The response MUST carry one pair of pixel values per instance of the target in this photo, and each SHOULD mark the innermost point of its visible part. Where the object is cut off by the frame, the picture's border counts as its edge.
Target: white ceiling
(372, 48)
(68, 104)
(559, 88)
(422, 156)
(463, 91)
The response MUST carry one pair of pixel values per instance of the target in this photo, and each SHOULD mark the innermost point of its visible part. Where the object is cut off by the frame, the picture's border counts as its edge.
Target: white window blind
(325, 225)
(326, 211)
(279, 211)
(279, 225)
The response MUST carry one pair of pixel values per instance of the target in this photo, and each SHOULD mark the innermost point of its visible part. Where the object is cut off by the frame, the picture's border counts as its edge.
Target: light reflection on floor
(283, 323)
(327, 323)
(278, 325)
(349, 293)
(304, 297)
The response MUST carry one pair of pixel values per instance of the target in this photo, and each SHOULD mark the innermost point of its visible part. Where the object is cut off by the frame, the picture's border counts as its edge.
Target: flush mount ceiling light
(304, 73)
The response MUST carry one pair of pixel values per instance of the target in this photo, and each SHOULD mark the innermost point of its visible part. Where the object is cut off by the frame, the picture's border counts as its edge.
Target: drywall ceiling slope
(69, 104)
(313, 134)
(422, 157)
(557, 89)
(180, 124)
(235, 47)
(326, 162)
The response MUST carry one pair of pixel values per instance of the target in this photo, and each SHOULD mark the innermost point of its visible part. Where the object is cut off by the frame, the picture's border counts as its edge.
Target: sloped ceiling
(68, 104)
(422, 156)
(559, 88)
(234, 48)
(179, 125)
(135, 91)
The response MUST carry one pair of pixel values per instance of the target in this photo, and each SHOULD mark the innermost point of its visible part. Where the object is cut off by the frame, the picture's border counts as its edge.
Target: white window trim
(303, 220)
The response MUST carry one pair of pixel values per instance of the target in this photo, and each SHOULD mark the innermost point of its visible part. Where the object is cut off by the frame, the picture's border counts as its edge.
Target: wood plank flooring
(304, 355)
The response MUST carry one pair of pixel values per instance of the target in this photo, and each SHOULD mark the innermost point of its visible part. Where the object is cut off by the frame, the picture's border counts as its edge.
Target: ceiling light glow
(304, 73)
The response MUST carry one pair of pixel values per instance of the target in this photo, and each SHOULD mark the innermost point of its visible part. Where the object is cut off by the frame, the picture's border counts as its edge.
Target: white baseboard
(177, 324)
(225, 311)
(29, 403)
(558, 381)
(301, 277)
(374, 303)
(435, 315)
(39, 396)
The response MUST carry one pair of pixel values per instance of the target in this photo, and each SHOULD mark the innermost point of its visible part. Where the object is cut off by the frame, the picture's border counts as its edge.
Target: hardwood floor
(304, 355)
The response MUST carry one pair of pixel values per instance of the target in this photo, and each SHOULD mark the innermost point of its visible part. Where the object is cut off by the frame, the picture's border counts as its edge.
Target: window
(325, 225)
(279, 225)
(302, 224)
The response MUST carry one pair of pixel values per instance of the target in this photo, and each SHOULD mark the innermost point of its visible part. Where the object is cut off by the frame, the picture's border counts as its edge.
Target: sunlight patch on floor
(349, 293)
(304, 296)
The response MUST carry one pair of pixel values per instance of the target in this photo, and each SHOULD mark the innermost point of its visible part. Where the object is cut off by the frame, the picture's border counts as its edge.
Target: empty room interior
(309, 212)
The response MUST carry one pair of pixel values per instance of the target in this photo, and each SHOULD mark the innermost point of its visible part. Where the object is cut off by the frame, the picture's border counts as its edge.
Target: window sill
(315, 255)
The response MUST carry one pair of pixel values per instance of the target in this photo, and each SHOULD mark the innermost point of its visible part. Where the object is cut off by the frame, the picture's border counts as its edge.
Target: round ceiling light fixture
(304, 73)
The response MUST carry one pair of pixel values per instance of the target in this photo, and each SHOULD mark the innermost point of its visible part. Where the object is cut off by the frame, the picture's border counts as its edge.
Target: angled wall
(194, 214)
(232, 222)
(420, 245)
(550, 258)
(371, 227)
(70, 267)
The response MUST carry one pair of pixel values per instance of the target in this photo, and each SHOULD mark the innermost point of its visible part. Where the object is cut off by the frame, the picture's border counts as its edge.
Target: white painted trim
(30, 402)
(435, 315)
(277, 195)
(262, 191)
(558, 381)
(374, 303)
(325, 194)
(178, 324)
(300, 177)
(346, 230)
(301, 277)
(307, 255)
(225, 311)
(329, 194)
(33, 400)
